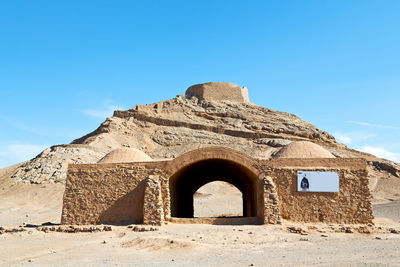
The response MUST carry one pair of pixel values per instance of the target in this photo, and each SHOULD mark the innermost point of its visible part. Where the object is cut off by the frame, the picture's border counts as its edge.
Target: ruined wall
(219, 91)
(352, 204)
(108, 193)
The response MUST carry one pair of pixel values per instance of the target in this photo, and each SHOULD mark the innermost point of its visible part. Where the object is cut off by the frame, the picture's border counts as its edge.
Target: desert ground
(173, 244)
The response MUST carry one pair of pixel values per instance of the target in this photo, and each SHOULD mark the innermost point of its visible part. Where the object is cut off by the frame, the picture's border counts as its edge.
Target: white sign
(317, 181)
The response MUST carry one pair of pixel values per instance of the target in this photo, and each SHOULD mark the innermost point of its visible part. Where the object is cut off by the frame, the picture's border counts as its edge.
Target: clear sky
(65, 65)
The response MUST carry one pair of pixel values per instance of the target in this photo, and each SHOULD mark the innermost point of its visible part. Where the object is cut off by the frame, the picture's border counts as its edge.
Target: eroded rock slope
(169, 128)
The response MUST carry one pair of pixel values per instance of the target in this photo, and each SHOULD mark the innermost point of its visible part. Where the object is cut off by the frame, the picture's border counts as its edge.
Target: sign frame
(318, 181)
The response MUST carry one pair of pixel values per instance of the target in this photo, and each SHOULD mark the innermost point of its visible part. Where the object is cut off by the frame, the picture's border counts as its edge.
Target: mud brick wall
(119, 193)
(352, 204)
(106, 193)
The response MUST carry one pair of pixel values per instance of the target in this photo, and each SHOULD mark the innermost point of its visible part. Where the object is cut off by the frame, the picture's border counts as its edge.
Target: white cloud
(373, 125)
(14, 153)
(13, 122)
(343, 138)
(101, 113)
(352, 137)
(382, 153)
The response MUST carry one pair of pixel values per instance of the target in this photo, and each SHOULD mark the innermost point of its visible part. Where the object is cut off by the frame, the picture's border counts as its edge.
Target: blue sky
(65, 65)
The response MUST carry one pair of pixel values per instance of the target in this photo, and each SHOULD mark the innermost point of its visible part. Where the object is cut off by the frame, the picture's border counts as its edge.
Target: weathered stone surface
(153, 208)
(135, 193)
(144, 228)
(173, 127)
(272, 214)
(215, 91)
(51, 165)
(352, 204)
(106, 193)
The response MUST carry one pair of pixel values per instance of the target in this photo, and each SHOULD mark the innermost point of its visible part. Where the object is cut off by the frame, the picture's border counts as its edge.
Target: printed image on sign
(312, 181)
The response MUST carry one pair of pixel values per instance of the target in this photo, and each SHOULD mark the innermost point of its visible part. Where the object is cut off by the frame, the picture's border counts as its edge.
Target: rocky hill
(169, 128)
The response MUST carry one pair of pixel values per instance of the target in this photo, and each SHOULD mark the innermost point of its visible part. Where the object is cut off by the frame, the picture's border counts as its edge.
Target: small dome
(302, 149)
(125, 155)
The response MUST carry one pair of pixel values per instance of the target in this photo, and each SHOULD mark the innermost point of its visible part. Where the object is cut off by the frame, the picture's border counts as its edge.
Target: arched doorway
(188, 179)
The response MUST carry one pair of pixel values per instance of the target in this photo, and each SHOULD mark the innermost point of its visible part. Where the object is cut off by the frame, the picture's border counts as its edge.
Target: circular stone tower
(219, 91)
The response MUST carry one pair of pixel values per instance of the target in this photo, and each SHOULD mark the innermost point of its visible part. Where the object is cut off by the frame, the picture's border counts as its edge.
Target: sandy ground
(228, 198)
(185, 244)
(199, 245)
(28, 203)
(389, 210)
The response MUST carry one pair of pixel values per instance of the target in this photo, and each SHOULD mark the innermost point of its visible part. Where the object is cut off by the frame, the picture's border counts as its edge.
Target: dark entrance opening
(184, 183)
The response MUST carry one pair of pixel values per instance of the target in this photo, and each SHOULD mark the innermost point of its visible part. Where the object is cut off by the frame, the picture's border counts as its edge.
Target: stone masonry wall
(271, 202)
(219, 91)
(153, 210)
(352, 204)
(164, 181)
(106, 193)
(139, 192)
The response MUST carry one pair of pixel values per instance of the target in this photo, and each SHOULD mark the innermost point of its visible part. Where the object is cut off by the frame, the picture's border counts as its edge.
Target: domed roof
(125, 155)
(302, 149)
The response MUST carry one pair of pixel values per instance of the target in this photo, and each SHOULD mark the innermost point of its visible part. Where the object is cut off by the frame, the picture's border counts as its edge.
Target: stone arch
(214, 152)
(196, 168)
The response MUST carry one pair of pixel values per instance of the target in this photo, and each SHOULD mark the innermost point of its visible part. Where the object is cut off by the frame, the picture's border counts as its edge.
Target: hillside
(169, 128)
